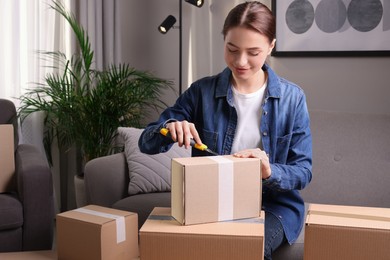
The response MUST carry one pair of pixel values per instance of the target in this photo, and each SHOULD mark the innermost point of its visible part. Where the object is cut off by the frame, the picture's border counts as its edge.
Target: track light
(197, 3)
(167, 24)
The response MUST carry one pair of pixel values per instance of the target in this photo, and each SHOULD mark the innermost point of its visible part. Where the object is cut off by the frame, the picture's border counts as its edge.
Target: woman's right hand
(182, 132)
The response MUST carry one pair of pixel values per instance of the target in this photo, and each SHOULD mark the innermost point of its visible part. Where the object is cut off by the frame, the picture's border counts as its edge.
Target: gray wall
(143, 46)
(357, 84)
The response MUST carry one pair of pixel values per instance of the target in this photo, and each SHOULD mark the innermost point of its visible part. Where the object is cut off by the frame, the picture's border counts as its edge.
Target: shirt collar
(223, 83)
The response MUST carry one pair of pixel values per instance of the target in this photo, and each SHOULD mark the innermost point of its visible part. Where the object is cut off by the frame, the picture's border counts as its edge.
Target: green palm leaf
(84, 107)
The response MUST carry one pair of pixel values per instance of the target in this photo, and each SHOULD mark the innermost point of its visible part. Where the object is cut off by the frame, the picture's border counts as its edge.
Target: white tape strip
(120, 222)
(226, 188)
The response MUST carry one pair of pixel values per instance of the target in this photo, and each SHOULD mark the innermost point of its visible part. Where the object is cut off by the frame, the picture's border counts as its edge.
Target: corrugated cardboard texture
(85, 236)
(196, 189)
(346, 232)
(7, 160)
(162, 237)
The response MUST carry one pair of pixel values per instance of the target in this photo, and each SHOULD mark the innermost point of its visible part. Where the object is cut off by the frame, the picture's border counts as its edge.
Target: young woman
(249, 111)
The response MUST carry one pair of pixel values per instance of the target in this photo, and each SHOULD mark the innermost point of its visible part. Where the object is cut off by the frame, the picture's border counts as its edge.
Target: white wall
(358, 84)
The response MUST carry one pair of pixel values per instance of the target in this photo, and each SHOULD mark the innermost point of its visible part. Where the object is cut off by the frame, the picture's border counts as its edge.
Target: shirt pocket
(282, 148)
(210, 139)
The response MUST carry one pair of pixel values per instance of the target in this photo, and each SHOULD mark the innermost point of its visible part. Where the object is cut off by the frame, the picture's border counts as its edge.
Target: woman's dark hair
(254, 16)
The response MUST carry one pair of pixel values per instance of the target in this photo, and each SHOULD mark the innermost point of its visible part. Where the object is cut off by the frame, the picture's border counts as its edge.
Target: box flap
(99, 219)
(161, 221)
(207, 160)
(348, 216)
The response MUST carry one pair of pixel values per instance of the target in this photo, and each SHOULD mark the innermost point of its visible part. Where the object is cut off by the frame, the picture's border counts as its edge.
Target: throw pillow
(148, 173)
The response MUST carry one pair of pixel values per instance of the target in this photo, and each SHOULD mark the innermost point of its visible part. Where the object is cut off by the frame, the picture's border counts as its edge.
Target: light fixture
(197, 3)
(169, 22)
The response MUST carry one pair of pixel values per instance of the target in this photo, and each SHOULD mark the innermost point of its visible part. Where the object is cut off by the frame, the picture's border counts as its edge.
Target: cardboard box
(215, 188)
(94, 232)
(7, 157)
(162, 237)
(346, 232)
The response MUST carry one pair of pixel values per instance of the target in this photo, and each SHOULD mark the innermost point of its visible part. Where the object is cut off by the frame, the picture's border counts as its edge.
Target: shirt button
(265, 113)
(265, 133)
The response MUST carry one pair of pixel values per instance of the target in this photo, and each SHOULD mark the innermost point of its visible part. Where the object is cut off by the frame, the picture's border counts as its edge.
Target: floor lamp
(168, 23)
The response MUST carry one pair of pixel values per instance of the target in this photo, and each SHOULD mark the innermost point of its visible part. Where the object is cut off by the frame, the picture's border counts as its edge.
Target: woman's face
(245, 53)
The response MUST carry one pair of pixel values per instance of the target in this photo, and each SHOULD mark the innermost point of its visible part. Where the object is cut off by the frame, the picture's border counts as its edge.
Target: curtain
(26, 27)
(100, 18)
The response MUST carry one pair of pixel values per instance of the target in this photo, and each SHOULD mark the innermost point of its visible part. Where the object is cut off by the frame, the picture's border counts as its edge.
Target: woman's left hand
(257, 153)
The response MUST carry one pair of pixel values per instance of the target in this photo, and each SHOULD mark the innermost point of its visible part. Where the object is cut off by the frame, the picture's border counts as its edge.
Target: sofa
(27, 208)
(351, 166)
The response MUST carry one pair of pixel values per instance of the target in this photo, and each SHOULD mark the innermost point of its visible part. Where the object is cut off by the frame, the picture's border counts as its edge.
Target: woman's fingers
(182, 132)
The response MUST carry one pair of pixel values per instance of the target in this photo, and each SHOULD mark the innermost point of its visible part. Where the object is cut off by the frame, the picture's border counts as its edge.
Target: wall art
(332, 27)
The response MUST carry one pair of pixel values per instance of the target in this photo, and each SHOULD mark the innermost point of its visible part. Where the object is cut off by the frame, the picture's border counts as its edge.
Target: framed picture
(332, 27)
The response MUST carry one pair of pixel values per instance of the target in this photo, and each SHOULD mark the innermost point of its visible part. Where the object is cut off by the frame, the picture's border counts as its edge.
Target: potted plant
(83, 107)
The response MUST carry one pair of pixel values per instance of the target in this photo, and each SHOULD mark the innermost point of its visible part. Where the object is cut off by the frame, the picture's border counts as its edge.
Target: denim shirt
(285, 130)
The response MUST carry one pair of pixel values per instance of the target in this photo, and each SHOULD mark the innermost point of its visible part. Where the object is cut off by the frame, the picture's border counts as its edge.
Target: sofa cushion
(143, 204)
(148, 173)
(351, 159)
(11, 212)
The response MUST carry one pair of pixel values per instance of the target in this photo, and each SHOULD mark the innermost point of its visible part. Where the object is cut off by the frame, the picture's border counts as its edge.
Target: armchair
(27, 210)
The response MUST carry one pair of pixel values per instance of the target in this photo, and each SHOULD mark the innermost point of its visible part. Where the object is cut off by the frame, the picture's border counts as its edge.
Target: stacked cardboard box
(94, 232)
(163, 238)
(7, 160)
(347, 232)
(216, 203)
(215, 188)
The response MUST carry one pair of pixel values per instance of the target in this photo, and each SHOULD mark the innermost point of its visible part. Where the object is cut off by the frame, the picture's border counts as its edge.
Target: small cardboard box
(94, 232)
(346, 232)
(215, 188)
(162, 237)
(7, 157)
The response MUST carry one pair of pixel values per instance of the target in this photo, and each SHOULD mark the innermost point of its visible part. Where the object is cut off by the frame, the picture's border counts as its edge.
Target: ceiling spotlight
(197, 3)
(167, 24)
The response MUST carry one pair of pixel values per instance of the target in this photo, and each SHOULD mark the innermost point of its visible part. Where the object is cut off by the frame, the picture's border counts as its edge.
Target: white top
(249, 110)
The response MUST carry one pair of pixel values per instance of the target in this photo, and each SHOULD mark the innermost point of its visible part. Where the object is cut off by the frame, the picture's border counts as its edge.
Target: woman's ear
(271, 46)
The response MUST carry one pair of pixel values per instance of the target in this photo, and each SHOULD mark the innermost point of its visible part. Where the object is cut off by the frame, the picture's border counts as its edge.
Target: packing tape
(120, 222)
(247, 220)
(244, 220)
(225, 187)
(349, 215)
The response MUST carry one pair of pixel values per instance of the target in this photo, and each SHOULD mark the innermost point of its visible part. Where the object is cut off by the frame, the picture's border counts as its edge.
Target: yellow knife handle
(164, 132)
(202, 147)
